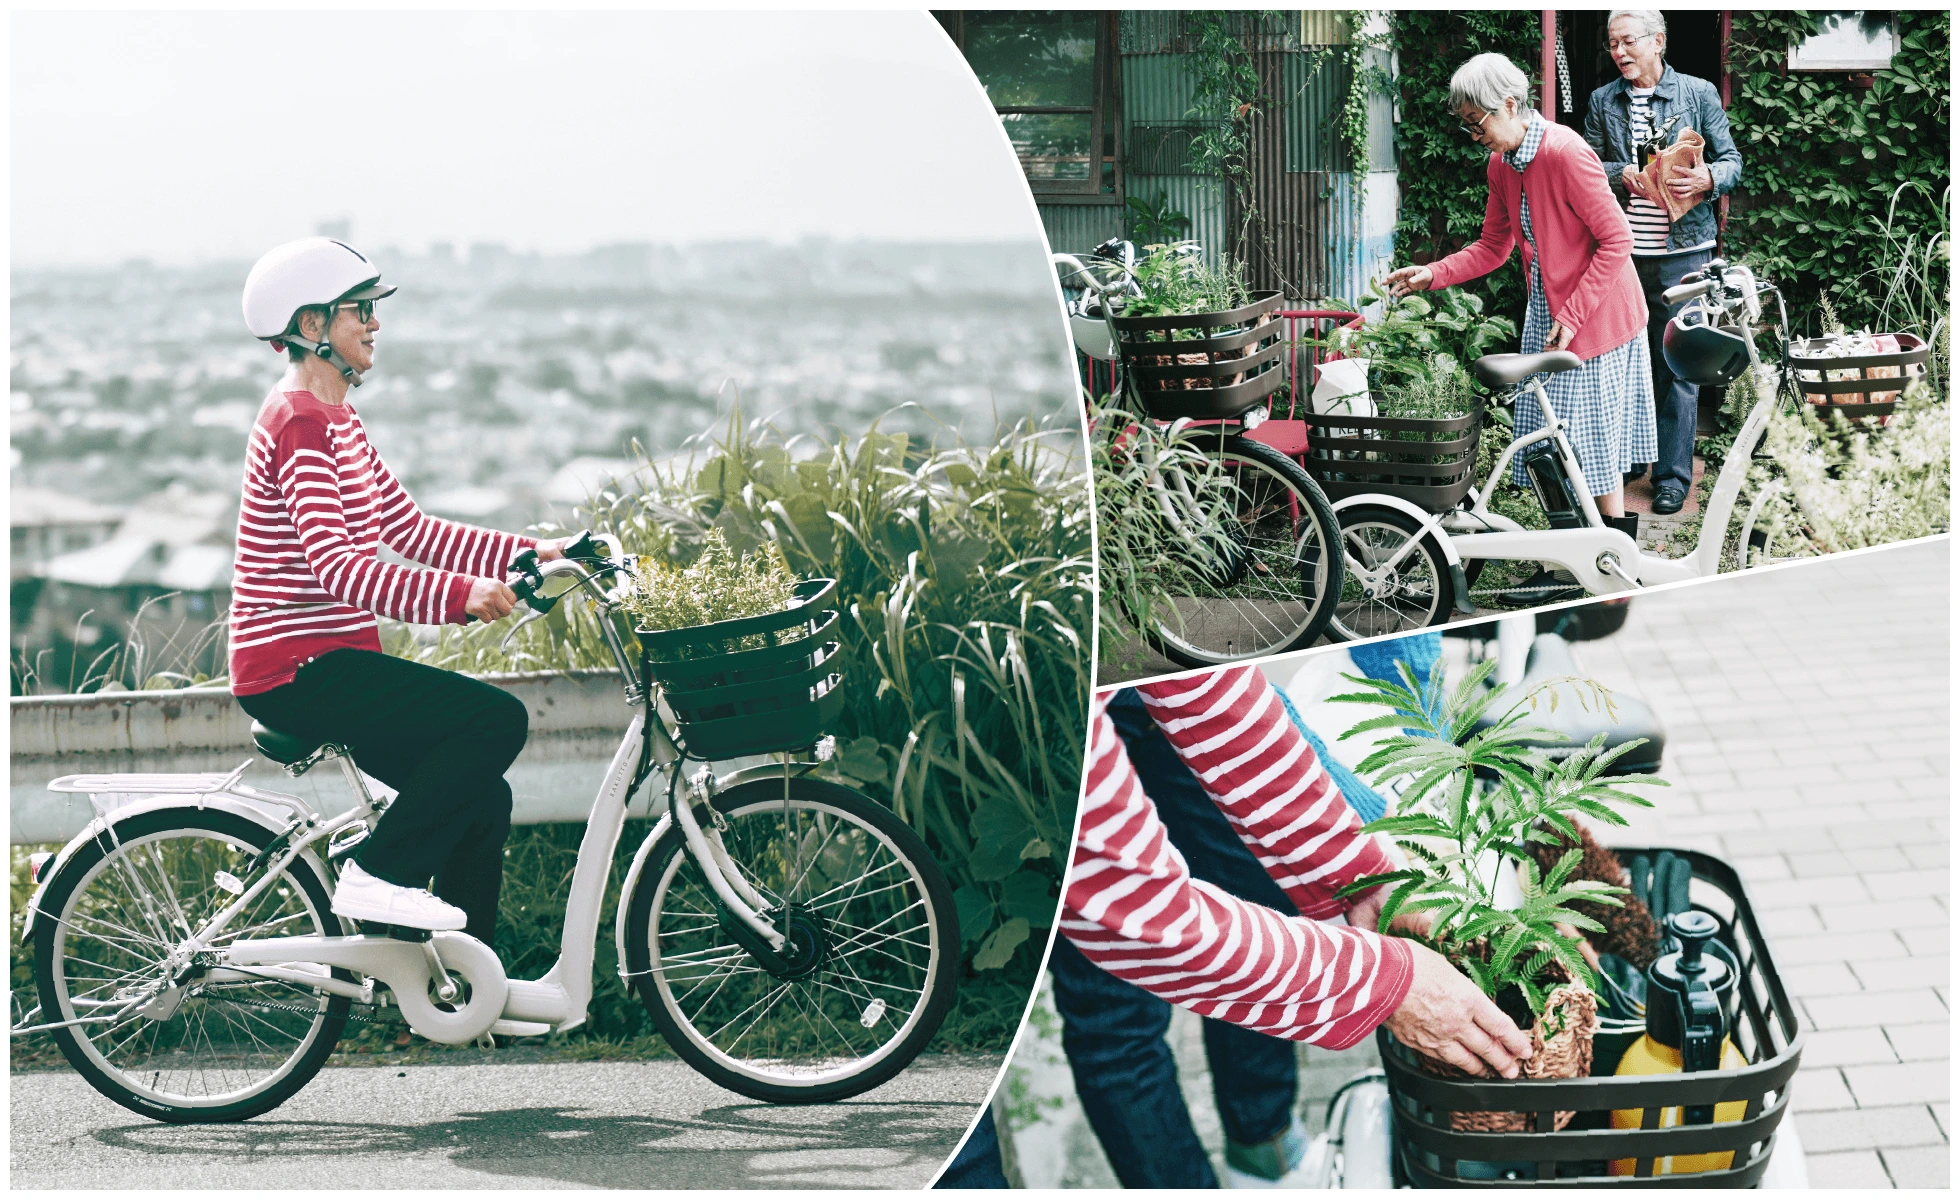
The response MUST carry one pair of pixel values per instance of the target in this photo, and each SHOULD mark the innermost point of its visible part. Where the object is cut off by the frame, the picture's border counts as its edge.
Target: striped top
(1649, 220)
(1134, 910)
(307, 577)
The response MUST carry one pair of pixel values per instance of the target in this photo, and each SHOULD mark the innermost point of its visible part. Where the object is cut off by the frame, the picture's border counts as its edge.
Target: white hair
(1651, 21)
(1486, 81)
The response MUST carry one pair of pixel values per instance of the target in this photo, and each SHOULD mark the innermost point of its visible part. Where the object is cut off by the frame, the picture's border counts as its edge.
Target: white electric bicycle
(792, 939)
(1407, 567)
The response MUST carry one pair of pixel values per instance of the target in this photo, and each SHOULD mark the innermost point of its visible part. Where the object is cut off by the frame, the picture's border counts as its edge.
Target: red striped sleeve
(447, 545)
(1133, 909)
(1230, 728)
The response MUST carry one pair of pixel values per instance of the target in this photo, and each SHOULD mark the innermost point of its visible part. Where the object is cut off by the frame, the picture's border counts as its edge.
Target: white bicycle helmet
(309, 273)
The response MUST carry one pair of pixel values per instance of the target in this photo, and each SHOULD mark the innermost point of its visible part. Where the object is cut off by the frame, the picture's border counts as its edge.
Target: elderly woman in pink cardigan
(1549, 196)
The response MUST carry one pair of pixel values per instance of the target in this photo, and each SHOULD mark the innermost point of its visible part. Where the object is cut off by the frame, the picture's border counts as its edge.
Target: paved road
(606, 1125)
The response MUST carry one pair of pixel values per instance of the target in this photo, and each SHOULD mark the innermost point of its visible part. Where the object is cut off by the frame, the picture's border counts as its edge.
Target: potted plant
(1473, 804)
(744, 653)
(1195, 341)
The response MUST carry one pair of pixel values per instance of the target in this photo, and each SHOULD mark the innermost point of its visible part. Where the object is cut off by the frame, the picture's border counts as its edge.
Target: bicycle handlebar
(1688, 291)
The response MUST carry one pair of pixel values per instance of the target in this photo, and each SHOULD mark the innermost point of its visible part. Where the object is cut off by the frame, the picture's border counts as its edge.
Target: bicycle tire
(1358, 617)
(1315, 526)
(59, 914)
(670, 881)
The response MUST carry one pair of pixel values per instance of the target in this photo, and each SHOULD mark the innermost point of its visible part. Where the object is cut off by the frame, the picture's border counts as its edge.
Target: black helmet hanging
(1703, 354)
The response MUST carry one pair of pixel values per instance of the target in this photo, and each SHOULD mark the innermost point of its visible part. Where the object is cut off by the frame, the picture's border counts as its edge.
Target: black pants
(443, 741)
(1675, 400)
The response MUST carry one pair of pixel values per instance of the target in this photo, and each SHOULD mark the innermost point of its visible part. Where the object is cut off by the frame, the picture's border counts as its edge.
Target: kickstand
(486, 1040)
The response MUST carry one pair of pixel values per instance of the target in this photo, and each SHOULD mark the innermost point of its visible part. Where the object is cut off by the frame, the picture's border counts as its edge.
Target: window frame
(1795, 64)
(1105, 123)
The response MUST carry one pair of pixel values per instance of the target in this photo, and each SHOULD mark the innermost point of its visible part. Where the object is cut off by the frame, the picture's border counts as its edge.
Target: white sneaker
(364, 898)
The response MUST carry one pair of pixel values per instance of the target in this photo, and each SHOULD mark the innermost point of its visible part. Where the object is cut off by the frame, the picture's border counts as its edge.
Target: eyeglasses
(1477, 129)
(1626, 43)
(363, 309)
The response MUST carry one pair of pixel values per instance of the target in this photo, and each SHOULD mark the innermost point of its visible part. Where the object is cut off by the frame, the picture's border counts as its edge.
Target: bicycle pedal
(400, 933)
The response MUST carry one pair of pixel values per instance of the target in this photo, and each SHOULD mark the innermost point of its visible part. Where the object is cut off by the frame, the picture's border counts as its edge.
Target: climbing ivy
(1441, 171)
(1823, 156)
(1229, 99)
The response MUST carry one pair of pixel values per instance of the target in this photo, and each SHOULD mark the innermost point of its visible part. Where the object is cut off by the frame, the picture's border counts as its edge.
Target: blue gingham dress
(1608, 403)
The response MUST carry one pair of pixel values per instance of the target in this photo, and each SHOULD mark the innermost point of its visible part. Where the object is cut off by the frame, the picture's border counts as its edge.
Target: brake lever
(536, 615)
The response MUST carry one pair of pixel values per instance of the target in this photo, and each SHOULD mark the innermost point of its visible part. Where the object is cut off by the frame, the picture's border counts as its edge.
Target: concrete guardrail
(145, 731)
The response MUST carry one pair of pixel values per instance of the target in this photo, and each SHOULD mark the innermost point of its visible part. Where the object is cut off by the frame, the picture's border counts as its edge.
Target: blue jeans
(977, 1165)
(1675, 400)
(1113, 1032)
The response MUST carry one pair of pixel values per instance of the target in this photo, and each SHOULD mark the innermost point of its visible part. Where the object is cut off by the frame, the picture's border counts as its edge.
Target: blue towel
(1377, 660)
(1359, 796)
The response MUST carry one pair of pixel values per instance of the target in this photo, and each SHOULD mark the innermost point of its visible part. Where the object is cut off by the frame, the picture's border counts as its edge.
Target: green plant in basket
(1475, 800)
(719, 585)
(1176, 281)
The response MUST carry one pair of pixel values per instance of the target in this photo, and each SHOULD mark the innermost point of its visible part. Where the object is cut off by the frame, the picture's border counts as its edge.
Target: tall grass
(186, 656)
(964, 579)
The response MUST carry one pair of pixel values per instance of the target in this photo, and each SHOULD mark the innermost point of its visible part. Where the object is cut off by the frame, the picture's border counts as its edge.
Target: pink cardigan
(1590, 284)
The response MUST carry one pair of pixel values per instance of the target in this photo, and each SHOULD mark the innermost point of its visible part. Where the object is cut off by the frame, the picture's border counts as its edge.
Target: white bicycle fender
(218, 800)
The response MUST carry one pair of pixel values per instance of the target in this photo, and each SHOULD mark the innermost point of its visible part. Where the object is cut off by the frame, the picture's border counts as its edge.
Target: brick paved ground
(1808, 722)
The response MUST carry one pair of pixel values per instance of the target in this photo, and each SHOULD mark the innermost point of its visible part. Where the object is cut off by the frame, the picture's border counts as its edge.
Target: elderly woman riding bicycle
(1549, 195)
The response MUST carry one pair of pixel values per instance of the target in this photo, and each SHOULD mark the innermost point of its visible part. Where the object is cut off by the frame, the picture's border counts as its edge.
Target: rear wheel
(871, 963)
(1377, 598)
(197, 1046)
(1278, 578)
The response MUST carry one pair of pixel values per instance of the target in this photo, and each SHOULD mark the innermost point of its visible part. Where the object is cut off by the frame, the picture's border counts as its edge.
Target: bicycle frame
(556, 1000)
(1601, 558)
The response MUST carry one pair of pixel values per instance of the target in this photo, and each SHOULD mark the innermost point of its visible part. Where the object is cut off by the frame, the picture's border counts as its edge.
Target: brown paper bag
(1683, 155)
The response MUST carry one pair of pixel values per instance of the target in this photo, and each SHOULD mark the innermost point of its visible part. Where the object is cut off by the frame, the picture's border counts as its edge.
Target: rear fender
(253, 812)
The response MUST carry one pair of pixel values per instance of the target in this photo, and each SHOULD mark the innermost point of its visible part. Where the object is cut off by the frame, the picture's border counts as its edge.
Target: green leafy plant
(1156, 221)
(1404, 341)
(1474, 802)
(1176, 281)
(719, 585)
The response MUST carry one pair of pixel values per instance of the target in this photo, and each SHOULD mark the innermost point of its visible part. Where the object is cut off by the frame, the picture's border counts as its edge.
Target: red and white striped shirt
(1133, 908)
(307, 578)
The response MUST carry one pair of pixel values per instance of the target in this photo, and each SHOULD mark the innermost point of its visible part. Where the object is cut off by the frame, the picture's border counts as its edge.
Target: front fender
(631, 879)
(94, 829)
(1420, 515)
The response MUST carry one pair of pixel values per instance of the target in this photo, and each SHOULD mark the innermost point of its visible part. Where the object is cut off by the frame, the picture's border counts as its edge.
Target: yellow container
(1649, 1057)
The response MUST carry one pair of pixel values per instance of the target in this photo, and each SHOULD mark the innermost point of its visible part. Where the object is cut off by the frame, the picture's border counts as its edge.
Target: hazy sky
(182, 137)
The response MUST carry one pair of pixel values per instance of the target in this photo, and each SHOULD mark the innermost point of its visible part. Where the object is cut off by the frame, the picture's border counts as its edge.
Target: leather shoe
(1638, 472)
(1669, 497)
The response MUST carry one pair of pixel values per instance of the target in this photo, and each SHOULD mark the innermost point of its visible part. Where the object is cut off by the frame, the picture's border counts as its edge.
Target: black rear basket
(1764, 1028)
(1812, 356)
(1208, 366)
(752, 685)
(1430, 462)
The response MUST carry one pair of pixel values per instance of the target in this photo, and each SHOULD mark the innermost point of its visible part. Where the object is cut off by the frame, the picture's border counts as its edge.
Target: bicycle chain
(294, 1009)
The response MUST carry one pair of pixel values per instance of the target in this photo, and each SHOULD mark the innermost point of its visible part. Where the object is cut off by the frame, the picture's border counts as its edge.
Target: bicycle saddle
(1578, 723)
(1495, 370)
(282, 748)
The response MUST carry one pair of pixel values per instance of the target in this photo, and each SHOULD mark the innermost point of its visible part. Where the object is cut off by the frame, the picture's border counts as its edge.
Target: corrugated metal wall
(1319, 235)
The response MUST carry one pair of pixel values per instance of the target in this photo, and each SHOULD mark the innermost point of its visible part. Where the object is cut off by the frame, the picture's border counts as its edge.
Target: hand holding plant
(1475, 801)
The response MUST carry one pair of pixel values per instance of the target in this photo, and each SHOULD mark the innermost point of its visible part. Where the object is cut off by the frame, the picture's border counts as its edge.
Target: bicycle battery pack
(1545, 469)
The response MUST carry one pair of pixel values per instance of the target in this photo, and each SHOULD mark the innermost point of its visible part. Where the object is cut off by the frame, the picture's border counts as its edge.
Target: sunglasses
(363, 309)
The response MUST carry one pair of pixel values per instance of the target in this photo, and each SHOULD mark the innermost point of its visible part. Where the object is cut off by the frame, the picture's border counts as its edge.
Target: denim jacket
(1609, 124)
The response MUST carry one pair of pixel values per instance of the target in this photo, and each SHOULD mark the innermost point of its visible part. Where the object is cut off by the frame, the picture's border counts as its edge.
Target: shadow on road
(858, 1144)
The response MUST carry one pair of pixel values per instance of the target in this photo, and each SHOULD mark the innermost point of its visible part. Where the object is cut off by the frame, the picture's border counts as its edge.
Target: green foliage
(1228, 97)
(187, 656)
(1403, 343)
(1829, 166)
(1842, 485)
(1176, 281)
(1455, 828)
(1144, 557)
(1444, 187)
(1155, 221)
(719, 585)
(964, 579)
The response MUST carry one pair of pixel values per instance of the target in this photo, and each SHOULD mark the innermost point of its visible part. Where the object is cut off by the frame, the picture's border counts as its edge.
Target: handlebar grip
(1688, 291)
(583, 546)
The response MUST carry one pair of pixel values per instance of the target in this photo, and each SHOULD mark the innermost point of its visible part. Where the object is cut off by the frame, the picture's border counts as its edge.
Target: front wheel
(869, 969)
(1280, 573)
(161, 1032)
(1381, 594)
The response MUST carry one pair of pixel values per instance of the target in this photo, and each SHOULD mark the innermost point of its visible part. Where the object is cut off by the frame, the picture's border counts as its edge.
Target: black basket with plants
(1428, 461)
(1205, 365)
(1699, 1129)
(752, 685)
(1857, 375)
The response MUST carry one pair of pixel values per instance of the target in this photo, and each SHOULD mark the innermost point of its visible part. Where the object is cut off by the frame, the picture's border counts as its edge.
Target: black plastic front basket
(1431, 462)
(753, 685)
(1764, 1028)
(1208, 366)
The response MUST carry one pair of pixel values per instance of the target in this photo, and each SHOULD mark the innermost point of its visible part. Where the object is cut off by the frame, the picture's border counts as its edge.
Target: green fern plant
(1474, 801)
